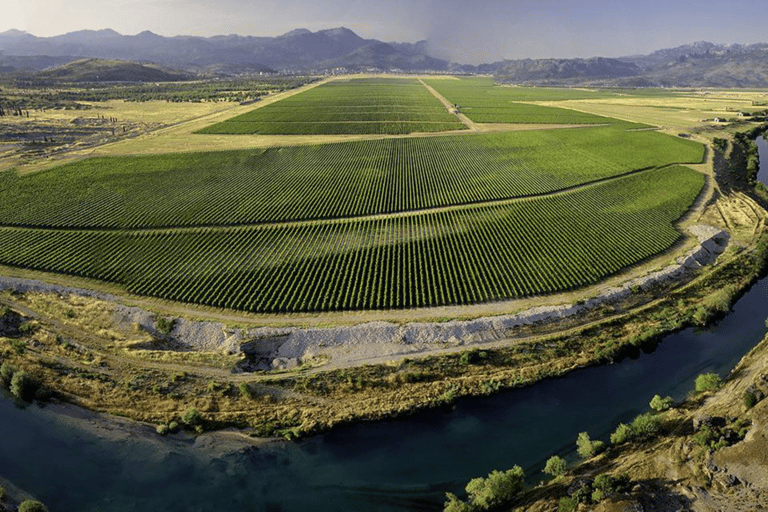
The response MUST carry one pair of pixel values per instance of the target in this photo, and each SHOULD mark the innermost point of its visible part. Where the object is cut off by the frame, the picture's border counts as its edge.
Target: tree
(661, 404)
(498, 488)
(555, 466)
(32, 506)
(586, 448)
(707, 382)
(454, 504)
(23, 386)
(6, 374)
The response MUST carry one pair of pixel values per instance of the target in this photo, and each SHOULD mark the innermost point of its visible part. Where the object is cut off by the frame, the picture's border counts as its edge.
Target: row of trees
(502, 487)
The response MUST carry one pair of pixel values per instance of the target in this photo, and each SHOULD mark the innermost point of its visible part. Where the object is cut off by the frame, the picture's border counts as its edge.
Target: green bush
(6, 374)
(498, 488)
(586, 448)
(162, 429)
(245, 390)
(32, 506)
(661, 404)
(192, 417)
(622, 433)
(165, 325)
(643, 426)
(23, 386)
(750, 399)
(454, 504)
(555, 466)
(567, 505)
(3, 492)
(707, 382)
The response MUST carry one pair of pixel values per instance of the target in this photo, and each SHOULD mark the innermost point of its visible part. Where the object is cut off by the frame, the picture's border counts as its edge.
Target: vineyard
(392, 223)
(355, 106)
(331, 181)
(483, 102)
(462, 255)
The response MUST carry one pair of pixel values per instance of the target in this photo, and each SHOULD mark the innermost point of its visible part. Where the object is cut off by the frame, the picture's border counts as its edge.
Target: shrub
(23, 386)
(586, 448)
(661, 404)
(165, 325)
(32, 506)
(555, 466)
(750, 399)
(173, 426)
(454, 504)
(162, 429)
(245, 390)
(192, 417)
(6, 374)
(497, 488)
(622, 433)
(643, 426)
(567, 505)
(3, 493)
(707, 382)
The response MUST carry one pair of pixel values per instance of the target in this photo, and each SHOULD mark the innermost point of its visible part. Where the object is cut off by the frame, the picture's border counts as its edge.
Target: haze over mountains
(696, 65)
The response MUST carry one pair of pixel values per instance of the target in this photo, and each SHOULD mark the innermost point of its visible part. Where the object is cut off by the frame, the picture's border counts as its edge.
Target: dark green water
(395, 465)
(762, 174)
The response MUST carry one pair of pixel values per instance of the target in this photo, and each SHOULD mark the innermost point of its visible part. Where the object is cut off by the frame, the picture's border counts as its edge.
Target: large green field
(483, 102)
(355, 106)
(328, 181)
(458, 256)
(368, 224)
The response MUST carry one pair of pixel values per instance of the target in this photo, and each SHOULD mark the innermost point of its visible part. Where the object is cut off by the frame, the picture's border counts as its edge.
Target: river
(762, 174)
(404, 464)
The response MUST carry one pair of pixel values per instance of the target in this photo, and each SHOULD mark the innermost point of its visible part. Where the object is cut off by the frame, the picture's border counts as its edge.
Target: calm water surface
(762, 146)
(395, 465)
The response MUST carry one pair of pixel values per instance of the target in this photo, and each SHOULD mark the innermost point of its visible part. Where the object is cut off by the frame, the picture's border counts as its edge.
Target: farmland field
(356, 106)
(387, 223)
(483, 102)
(461, 256)
(328, 181)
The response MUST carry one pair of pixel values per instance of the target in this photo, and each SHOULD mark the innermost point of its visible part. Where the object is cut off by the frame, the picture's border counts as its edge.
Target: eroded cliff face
(711, 455)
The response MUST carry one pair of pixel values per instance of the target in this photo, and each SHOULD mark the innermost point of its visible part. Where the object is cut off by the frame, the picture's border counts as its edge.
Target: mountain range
(699, 64)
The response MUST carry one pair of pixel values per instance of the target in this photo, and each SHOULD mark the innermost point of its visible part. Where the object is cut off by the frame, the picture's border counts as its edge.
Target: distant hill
(98, 70)
(557, 69)
(700, 64)
(297, 50)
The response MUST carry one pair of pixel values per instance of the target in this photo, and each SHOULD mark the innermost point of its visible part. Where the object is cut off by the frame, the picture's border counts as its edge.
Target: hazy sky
(469, 31)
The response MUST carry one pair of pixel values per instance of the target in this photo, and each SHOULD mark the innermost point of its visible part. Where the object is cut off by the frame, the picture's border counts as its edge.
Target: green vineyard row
(484, 253)
(339, 180)
(356, 106)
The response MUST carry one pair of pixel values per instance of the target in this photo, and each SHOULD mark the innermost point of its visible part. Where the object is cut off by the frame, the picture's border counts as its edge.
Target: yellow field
(673, 113)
